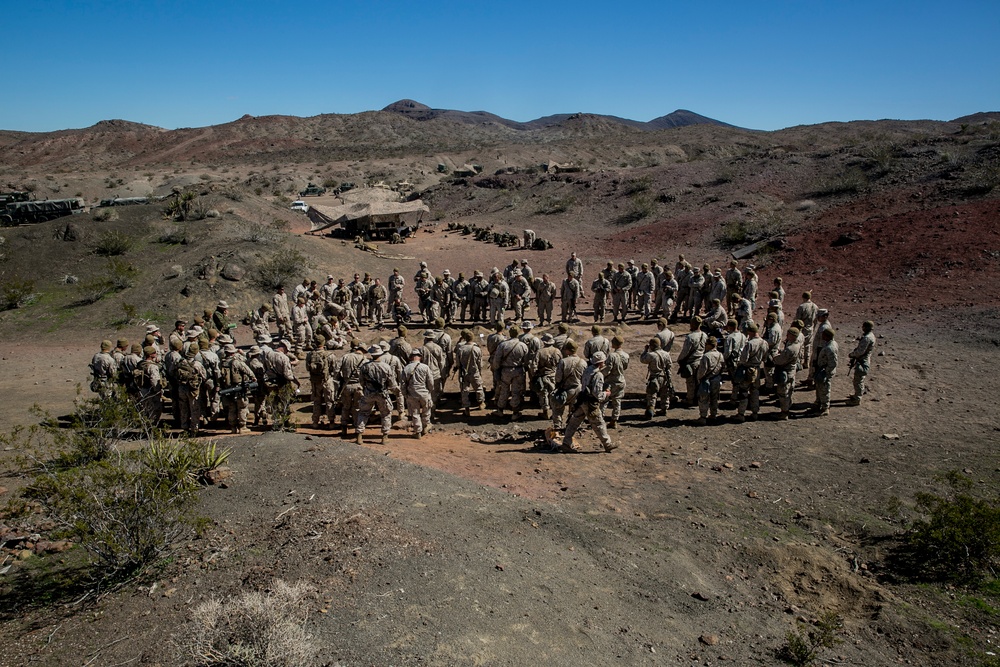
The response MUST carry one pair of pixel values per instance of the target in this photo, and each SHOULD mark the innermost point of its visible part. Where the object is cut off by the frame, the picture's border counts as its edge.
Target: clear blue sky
(761, 64)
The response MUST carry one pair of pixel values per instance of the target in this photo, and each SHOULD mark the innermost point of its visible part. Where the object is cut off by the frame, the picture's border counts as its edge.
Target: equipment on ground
(24, 212)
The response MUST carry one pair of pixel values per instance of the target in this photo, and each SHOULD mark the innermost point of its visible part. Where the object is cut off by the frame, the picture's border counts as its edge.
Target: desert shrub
(635, 186)
(283, 267)
(255, 232)
(849, 182)
(253, 629)
(330, 183)
(186, 206)
(554, 205)
(175, 236)
(803, 645)
(105, 214)
(983, 179)
(233, 194)
(640, 206)
(113, 244)
(16, 293)
(119, 275)
(958, 537)
(184, 463)
(213, 213)
(758, 227)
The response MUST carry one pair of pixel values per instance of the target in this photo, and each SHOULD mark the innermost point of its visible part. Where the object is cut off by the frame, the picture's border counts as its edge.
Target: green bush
(959, 536)
(641, 206)
(554, 205)
(119, 275)
(802, 646)
(281, 268)
(16, 293)
(113, 244)
(849, 182)
(635, 186)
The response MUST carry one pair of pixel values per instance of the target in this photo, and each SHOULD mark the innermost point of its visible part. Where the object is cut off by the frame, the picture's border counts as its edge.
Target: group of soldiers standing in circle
(206, 375)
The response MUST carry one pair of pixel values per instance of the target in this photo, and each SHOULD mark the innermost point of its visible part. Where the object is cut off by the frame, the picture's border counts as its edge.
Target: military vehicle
(8, 197)
(312, 190)
(23, 212)
(124, 201)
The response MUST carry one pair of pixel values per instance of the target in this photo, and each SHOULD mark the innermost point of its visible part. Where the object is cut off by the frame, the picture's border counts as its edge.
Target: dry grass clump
(253, 629)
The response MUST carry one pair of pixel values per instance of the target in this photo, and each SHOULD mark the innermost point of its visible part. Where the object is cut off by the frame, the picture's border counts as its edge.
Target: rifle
(239, 390)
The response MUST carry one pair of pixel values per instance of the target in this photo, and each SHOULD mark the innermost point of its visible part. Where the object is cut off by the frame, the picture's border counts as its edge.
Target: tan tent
(372, 219)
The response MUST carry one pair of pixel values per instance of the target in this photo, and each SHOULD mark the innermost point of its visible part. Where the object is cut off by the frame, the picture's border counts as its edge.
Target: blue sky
(760, 64)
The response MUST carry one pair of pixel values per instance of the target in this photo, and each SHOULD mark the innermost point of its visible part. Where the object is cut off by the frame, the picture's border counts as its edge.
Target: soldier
(527, 272)
(750, 288)
(779, 289)
(774, 306)
(434, 357)
(282, 315)
(281, 382)
(534, 347)
(259, 321)
(695, 285)
(826, 367)
(544, 379)
(191, 375)
(520, 294)
(783, 374)
(234, 378)
(399, 346)
(499, 295)
(643, 288)
(601, 287)
(178, 334)
(744, 313)
(378, 297)
(422, 273)
(574, 267)
(709, 378)
(321, 364)
(508, 364)
(327, 289)
(211, 402)
(861, 361)
(220, 319)
(301, 290)
(397, 368)
(822, 324)
(658, 382)
(719, 289)
(682, 274)
(126, 372)
(621, 286)
(689, 358)
(300, 325)
(417, 387)
(571, 291)
(667, 293)
(424, 287)
(170, 361)
(657, 272)
(469, 368)
(256, 364)
(597, 343)
(734, 286)
(806, 313)
(440, 298)
(715, 319)
(733, 346)
(350, 383)
(480, 296)
(747, 376)
(633, 272)
(529, 238)
(614, 379)
(590, 398)
(545, 295)
(462, 296)
(562, 336)
(569, 372)
(508, 271)
(149, 385)
(378, 382)
(395, 285)
(104, 370)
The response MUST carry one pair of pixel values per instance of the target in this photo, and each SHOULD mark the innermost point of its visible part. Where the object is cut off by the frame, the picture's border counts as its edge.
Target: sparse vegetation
(958, 537)
(281, 268)
(253, 629)
(554, 205)
(803, 645)
(175, 236)
(17, 293)
(641, 205)
(105, 214)
(850, 181)
(118, 275)
(113, 244)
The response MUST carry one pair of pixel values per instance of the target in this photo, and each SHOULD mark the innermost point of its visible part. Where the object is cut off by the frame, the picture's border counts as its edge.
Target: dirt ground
(478, 546)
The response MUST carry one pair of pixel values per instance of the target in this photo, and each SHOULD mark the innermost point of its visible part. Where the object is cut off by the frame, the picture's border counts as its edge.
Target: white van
(299, 205)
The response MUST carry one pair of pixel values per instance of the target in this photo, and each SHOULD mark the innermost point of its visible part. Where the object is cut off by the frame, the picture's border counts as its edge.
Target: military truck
(124, 201)
(312, 190)
(8, 197)
(24, 212)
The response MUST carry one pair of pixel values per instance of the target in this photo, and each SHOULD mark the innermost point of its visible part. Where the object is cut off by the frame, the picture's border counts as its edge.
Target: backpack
(140, 378)
(317, 364)
(188, 376)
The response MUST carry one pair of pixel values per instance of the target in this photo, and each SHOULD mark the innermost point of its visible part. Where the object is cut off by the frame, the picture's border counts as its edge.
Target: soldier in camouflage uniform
(378, 382)
(861, 361)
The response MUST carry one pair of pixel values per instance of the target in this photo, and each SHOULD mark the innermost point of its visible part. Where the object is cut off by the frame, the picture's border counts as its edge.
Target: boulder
(233, 272)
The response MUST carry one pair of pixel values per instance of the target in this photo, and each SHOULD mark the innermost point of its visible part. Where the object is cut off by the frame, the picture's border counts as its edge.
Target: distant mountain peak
(407, 106)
